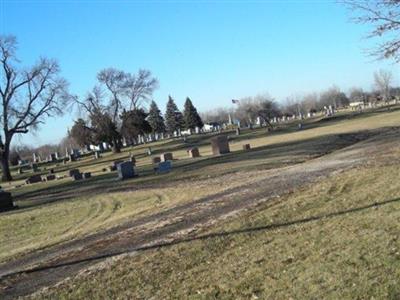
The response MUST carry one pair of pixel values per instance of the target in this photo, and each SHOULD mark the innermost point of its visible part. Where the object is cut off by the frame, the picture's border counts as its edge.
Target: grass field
(338, 238)
(351, 250)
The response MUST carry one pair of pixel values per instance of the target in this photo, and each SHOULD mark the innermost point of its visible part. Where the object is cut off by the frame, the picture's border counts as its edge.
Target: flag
(235, 101)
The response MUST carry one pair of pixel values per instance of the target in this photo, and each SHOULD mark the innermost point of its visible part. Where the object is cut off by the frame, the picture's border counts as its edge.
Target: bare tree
(382, 81)
(310, 102)
(333, 96)
(357, 95)
(115, 82)
(140, 87)
(99, 125)
(260, 106)
(126, 89)
(92, 103)
(27, 97)
(384, 16)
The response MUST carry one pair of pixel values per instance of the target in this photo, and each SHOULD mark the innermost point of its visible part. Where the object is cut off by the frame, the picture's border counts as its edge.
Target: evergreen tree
(81, 133)
(190, 116)
(173, 117)
(134, 123)
(155, 119)
(105, 130)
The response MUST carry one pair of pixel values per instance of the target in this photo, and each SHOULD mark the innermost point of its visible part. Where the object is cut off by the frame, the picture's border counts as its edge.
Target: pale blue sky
(212, 51)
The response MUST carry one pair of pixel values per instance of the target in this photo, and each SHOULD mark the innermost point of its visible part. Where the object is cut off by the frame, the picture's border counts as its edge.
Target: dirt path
(40, 269)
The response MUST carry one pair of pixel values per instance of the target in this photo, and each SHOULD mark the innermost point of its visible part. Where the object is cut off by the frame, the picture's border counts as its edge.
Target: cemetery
(176, 176)
(199, 149)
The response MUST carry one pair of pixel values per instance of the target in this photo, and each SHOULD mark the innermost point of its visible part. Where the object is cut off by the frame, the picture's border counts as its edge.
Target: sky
(211, 51)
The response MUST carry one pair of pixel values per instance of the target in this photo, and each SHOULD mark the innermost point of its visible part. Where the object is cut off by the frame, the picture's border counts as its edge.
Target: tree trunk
(5, 165)
(116, 147)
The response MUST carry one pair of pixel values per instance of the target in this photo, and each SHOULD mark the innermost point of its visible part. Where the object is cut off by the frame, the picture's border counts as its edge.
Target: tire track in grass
(182, 218)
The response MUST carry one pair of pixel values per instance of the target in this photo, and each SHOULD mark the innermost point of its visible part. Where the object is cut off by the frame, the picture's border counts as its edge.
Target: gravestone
(220, 145)
(166, 156)
(50, 177)
(156, 159)
(87, 175)
(246, 147)
(115, 164)
(53, 157)
(35, 158)
(51, 171)
(33, 179)
(73, 172)
(237, 131)
(133, 160)
(34, 167)
(126, 170)
(194, 152)
(6, 202)
(97, 155)
(76, 153)
(164, 167)
(20, 171)
(77, 176)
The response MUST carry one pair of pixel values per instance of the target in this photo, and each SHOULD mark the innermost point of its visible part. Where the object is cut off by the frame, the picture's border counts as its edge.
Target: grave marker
(33, 179)
(246, 147)
(126, 170)
(50, 177)
(164, 167)
(156, 159)
(87, 175)
(115, 164)
(220, 145)
(166, 156)
(6, 202)
(73, 172)
(34, 167)
(77, 176)
(194, 152)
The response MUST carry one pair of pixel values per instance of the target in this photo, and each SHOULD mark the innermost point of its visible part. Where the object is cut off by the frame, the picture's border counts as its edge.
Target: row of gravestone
(219, 144)
(75, 174)
(39, 178)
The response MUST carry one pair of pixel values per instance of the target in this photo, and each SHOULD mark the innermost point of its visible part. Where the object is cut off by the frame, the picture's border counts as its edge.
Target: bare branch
(28, 97)
(384, 15)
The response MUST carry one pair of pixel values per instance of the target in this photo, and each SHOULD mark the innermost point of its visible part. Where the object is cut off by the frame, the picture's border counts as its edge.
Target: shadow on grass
(222, 234)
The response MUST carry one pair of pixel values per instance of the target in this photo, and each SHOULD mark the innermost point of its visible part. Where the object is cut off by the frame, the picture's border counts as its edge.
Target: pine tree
(190, 116)
(105, 130)
(81, 133)
(155, 119)
(134, 123)
(173, 117)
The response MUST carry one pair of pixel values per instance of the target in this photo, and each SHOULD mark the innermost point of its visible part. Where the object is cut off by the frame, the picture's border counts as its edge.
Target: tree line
(115, 111)
(264, 107)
